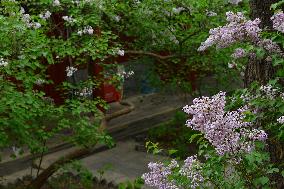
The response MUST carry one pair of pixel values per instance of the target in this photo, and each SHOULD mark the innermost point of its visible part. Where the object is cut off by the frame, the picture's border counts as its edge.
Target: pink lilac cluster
(158, 175)
(281, 120)
(192, 169)
(236, 30)
(219, 127)
(239, 53)
(278, 21)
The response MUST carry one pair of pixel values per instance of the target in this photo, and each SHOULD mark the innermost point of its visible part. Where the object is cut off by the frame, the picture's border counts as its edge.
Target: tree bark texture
(262, 71)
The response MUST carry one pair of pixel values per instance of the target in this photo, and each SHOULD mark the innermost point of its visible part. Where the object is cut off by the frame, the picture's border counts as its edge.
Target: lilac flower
(69, 19)
(281, 120)
(238, 29)
(120, 52)
(278, 21)
(40, 81)
(45, 15)
(3, 62)
(158, 176)
(56, 3)
(239, 53)
(270, 46)
(178, 10)
(192, 169)
(232, 65)
(117, 18)
(235, 2)
(87, 30)
(70, 71)
(85, 92)
(219, 127)
(269, 91)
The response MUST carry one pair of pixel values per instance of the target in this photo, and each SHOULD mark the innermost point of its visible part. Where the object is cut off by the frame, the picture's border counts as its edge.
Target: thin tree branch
(155, 55)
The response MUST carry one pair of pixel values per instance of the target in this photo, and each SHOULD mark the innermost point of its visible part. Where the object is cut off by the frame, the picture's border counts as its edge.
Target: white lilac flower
(117, 18)
(80, 32)
(36, 25)
(3, 62)
(232, 65)
(178, 10)
(281, 120)
(69, 19)
(235, 2)
(87, 30)
(85, 92)
(124, 74)
(40, 81)
(120, 52)
(56, 3)
(269, 91)
(70, 71)
(45, 15)
(22, 10)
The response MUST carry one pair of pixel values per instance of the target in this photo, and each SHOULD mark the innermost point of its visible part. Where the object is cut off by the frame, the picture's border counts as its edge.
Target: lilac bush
(226, 131)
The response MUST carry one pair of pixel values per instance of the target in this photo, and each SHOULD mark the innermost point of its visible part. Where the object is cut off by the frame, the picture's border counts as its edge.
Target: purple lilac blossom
(237, 29)
(239, 53)
(159, 173)
(278, 21)
(192, 169)
(219, 127)
(158, 176)
(270, 46)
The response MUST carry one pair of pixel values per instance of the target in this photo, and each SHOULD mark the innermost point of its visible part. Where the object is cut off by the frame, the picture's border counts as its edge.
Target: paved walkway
(126, 162)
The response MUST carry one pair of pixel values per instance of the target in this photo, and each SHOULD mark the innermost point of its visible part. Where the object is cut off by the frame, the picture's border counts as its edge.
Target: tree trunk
(262, 71)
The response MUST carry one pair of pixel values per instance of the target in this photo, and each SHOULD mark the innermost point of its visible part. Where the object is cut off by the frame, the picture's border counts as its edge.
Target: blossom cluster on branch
(239, 29)
(158, 176)
(225, 130)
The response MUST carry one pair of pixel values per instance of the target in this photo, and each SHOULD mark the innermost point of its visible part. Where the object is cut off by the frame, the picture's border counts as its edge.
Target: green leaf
(263, 180)
(193, 137)
(273, 170)
(172, 151)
